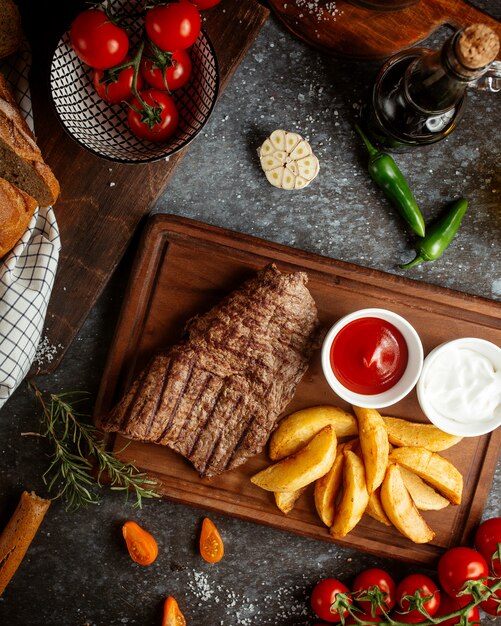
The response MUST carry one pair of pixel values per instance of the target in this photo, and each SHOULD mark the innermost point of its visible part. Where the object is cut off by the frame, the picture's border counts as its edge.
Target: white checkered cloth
(27, 272)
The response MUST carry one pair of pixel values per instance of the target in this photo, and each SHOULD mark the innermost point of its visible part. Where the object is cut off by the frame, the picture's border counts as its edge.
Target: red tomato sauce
(369, 355)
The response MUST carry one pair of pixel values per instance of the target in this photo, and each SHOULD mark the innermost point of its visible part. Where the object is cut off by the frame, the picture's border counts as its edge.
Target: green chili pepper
(440, 235)
(387, 175)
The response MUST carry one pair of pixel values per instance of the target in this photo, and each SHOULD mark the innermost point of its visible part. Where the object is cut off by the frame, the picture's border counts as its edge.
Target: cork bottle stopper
(477, 46)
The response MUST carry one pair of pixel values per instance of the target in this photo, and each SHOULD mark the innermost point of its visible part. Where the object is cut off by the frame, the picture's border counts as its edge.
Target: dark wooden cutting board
(359, 33)
(102, 203)
(184, 267)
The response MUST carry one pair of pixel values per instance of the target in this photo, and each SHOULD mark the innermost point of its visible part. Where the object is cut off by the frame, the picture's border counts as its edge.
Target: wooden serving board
(184, 267)
(102, 203)
(360, 33)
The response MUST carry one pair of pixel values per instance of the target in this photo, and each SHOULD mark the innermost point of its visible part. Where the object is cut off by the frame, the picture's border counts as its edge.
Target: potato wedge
(297, 429)
(425, 497)
(374, 443)
(400, 508)
(303, 467)
(405, 433)
(328, 487)
(375, 508)
(432, 468)
(355, 496)
(285, 500)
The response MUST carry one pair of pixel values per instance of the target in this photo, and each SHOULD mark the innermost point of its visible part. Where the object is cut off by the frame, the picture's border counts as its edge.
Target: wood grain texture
(102, 203)
(185, 267)
(360, 33)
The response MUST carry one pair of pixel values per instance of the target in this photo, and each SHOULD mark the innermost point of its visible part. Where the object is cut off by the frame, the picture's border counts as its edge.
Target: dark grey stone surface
(77, 571)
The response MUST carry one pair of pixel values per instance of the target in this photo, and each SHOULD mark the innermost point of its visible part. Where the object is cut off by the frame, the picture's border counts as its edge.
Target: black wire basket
(102, 128)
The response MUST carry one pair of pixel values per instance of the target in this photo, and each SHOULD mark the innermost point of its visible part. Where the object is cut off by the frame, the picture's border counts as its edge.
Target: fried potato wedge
(355, 496)
(328, 487)
(297, 429)
(432, 468)
(303, 467)
(400, 508)
(405, 433)
(374, 443)
(375, 508)
(285, 500)
(425, 497)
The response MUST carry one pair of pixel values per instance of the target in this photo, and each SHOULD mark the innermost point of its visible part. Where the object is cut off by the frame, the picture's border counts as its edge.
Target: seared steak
(215, 397)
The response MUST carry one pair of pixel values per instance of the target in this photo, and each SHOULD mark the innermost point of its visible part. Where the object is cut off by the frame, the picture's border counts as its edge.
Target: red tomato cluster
(374, 595)
(143, 81)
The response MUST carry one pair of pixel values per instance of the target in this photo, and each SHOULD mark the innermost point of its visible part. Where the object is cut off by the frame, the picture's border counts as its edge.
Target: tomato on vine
(154, 117)
(324, 603)
(425, 593)
(377, 584)
(166, 70)
(97, 41)
(459, 565)
(488, 543)
(451, 605)
(116, 84)
(173, 26)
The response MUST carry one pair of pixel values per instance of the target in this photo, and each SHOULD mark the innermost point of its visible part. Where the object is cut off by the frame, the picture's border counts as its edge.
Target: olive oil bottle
(419, 95)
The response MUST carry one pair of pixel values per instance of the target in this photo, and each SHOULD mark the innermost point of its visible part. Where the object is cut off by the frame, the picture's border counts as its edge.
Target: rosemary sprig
(75, 442)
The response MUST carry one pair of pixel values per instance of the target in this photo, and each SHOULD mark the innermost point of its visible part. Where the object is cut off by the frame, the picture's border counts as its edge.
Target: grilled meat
(215, 397)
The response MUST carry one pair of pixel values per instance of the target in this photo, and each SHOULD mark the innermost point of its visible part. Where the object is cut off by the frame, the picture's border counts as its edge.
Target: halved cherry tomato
(377, 583)
(172, 613)
(451, 605)
(115, 86)
(458, 565)
(97, 41)
(408, 587)
(324, 595)
(211, 544)
(488, 543)
(173, 26)
(171, 74)
(142, 546)
(161, 127)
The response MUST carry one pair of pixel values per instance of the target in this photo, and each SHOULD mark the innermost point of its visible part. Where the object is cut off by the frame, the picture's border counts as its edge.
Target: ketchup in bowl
(372, 357)
(369, 355)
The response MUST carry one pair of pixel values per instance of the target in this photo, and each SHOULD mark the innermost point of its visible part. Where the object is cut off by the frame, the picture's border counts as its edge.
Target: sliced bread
(16, 210)
(21, 162)
(11, 33)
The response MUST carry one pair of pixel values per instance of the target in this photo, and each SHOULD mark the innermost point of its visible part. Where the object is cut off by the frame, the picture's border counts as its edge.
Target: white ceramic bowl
(476, 424)
(402, 387)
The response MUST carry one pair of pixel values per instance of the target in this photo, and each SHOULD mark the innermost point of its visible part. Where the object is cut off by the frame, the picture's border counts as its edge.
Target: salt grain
(45, 352)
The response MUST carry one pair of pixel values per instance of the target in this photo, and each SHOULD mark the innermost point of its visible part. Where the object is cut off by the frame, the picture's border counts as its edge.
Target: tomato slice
(172, 613)
(211, 544)
(142, 546)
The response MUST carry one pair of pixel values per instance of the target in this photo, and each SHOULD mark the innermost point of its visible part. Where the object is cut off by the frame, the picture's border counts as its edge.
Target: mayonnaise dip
(463, 385)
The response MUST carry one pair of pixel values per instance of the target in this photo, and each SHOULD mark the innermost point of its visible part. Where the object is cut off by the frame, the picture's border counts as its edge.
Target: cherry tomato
(115, 86)
(97, 41)
(378, 583)
(205, 4)
(365, 617)
(492, 606)
(458, 565)
(173, 26)
(172, 613)
(324, 594)
(211, 544)
(141, 545)
(488, 543)
(451, 605)
(408, 587)
(170, 77)
(163, 126)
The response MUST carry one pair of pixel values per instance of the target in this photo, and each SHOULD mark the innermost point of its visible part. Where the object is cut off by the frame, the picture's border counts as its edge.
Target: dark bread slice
(16, 210)
(11, 33)
(21, 162)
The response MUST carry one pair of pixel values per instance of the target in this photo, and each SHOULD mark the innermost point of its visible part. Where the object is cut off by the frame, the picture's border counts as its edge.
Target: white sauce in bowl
(463, 385)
